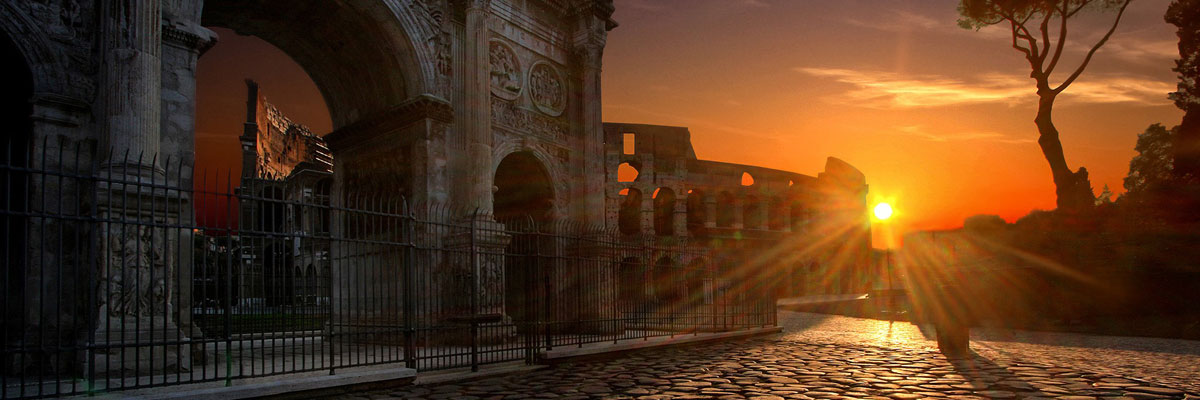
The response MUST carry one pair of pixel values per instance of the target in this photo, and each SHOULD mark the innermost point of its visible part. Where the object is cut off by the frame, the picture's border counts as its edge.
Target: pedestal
(476, 291)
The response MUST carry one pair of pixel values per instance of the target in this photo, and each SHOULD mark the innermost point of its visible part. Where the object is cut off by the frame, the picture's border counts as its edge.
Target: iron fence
(110, 283)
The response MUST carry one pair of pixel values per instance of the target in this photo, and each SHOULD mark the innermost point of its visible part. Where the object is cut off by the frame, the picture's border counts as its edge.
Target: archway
(523, 189)
(631, 285)
(364, 62)
(15, 111)
(524, 202)
(752, 213)
(725, 210)
(697, 214)
(629, 216)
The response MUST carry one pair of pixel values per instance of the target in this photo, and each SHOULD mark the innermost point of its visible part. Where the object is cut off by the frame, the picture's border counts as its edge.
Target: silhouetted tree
(1185, 14)
(1151, 168)
(1029, 21)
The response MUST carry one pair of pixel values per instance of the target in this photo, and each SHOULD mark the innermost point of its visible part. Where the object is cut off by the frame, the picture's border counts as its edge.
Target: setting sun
(883, 211)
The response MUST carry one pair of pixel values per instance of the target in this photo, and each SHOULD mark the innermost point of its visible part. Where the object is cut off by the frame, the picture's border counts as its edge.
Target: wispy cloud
(920, 132)
(877, 89)
(693, 122)
(900, 21)
(1141, 50)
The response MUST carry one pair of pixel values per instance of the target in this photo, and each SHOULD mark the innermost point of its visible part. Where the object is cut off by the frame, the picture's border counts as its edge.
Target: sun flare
(883, 211)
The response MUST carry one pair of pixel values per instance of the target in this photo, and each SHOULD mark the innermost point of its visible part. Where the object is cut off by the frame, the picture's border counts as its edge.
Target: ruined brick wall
(280, 145)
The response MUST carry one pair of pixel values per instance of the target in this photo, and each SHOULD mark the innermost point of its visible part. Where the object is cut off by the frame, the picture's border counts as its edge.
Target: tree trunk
(1073, 189)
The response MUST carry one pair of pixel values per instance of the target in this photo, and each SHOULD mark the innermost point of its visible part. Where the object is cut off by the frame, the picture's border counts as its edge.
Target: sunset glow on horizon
(940, 115)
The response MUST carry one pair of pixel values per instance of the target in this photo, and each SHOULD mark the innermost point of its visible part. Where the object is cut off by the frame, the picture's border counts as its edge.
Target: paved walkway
(1172, 362)
(829, 357)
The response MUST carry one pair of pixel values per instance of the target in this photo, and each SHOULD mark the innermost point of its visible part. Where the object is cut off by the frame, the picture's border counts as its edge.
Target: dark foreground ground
(829, 357)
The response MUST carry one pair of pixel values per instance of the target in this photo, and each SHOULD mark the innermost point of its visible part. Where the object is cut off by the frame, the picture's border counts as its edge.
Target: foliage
(1185, 14)
(1151, 167)
(1037, 35)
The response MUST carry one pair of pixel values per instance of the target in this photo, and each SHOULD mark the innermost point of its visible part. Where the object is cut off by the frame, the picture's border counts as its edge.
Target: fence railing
(111, 284)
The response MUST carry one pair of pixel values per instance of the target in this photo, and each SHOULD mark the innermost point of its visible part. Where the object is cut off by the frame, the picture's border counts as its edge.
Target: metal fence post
(409, 268)
(474, 294)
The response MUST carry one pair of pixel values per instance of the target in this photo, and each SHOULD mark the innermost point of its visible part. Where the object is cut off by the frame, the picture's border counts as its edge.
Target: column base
(129, 347)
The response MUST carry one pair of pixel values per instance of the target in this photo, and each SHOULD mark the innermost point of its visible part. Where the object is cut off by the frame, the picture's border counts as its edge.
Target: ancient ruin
(467, 145)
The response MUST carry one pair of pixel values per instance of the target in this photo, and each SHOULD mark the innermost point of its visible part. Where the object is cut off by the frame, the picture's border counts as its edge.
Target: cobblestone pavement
(1171, 362)
(826, 357)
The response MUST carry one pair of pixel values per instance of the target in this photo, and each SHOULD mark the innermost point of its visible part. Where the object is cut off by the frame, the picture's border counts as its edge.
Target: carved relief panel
(547, 89)
(506, 73)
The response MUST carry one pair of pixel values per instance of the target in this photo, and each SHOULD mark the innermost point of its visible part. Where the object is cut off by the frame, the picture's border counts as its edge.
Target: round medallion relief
(506, 73)
(547, 89)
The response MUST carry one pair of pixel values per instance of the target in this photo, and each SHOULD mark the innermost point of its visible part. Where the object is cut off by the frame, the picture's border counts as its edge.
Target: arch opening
(629, 217)
(664, 212)
(365, 62)
(747, 179)
(752, 213)
(631, 281)
(15, 112)
(523, 189)
(777, 212)
(725, 210)
(627, 172)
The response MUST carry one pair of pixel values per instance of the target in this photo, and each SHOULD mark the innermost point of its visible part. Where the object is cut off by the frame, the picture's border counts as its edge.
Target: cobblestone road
(1171, 362)
(830, 357)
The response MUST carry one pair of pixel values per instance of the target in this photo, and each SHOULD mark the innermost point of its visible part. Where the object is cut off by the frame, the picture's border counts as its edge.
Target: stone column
(183, 41)
(139, 259)
(593, 20)
(647, 209)
(679, 219)
(589, 57)
(478, 122)
(131, 78)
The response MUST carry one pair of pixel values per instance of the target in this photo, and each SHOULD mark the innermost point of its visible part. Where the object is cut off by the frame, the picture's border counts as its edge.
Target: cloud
(887, 90)
(694, 122)
(919, 132)
(901, 21)
(1141, 50)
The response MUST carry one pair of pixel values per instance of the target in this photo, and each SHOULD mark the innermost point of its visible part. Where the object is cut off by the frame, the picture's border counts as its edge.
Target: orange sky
(937, 117)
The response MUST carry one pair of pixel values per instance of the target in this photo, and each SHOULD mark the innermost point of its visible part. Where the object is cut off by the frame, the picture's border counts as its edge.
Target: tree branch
(1077, 9)
(1062, 38)
(1045, 28)
(1092, 52)
(1028, 54)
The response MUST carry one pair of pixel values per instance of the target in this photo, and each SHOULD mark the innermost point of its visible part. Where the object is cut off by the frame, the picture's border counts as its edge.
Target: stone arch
(631, 284)
(665, 278)
(523, 189)
(725, 209)
(47, 72)
(664, 211)
(550, 166)
(365, 61)
(777, 210)
(697, 213)
(629, 215)
(799, 215)
(752, 213)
